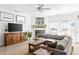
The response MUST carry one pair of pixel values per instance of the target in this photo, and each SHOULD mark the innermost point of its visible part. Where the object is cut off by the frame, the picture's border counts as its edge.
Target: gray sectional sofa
(63, 47)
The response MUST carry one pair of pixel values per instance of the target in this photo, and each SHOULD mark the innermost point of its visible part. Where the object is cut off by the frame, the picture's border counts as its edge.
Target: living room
(36, 29)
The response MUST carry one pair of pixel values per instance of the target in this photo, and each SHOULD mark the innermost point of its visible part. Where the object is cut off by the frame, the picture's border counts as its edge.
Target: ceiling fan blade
(45, 8)
(41, 8)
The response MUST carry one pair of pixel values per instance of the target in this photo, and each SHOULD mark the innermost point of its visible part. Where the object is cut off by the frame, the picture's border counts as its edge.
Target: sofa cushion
(60, 47)
(47, 42)
(63, 43)
(60, 37)
(52, 45)
(57, 52)
(57, 37)
(67, 38)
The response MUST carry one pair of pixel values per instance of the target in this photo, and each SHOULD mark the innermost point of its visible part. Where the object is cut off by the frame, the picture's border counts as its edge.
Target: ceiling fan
(41, 8)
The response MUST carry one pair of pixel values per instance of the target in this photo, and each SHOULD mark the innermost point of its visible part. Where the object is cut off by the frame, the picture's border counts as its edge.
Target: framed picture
(7, 16)
(20, 19)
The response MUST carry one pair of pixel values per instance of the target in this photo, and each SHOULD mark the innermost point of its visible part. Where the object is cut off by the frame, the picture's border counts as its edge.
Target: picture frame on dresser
(5, 16)
(20, 19)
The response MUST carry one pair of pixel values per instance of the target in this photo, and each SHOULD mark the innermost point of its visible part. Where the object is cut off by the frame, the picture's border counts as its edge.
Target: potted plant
(29, 35)
(25, 35)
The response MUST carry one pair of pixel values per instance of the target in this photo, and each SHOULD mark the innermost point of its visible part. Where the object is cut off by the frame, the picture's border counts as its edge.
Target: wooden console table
(13, 37)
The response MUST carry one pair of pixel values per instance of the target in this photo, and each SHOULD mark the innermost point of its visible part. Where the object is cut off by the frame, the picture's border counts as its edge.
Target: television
(13, 27)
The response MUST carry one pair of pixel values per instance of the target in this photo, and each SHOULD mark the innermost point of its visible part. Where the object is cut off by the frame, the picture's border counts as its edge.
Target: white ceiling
(29, 8)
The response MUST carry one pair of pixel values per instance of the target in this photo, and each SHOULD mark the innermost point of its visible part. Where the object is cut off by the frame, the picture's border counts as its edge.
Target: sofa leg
(72, 48)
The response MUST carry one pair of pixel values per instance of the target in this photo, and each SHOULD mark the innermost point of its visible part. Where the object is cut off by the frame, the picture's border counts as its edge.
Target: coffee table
(42, 51)
(36, 43)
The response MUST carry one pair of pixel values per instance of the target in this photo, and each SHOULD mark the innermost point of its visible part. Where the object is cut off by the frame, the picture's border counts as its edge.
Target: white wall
(4, 24)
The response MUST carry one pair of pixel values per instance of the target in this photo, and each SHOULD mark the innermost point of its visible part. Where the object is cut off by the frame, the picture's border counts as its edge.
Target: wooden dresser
(13, 37)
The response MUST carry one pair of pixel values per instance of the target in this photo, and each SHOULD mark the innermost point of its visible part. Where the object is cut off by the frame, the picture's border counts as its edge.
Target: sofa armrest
(55, 51)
